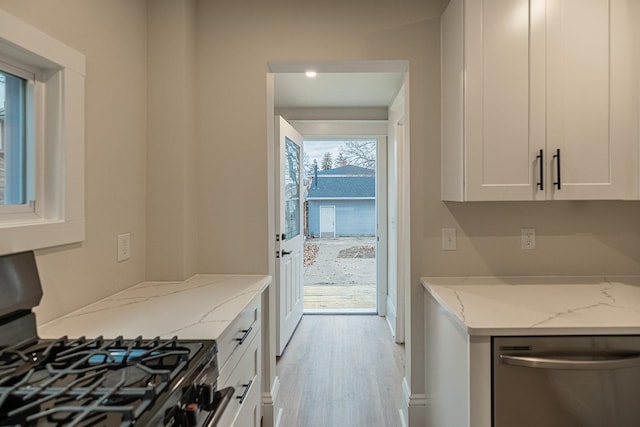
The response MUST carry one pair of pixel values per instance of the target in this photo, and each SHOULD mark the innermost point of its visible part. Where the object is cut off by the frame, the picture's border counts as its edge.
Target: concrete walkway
(333, 283)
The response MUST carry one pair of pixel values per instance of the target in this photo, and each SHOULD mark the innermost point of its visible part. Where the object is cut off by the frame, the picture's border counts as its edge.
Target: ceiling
(337, 84)
(343, 84)
(336, 89)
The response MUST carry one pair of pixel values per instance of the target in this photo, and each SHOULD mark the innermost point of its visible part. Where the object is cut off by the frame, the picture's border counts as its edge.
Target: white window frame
(59, 73)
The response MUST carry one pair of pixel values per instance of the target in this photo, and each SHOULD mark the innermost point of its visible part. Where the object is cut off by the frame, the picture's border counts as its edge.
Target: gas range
(97, 381)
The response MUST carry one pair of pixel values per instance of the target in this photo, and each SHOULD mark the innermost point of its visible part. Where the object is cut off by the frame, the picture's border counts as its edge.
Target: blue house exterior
(342, 202)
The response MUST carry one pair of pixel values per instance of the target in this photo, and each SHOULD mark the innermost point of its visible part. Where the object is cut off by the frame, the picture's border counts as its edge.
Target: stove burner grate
(80, 382)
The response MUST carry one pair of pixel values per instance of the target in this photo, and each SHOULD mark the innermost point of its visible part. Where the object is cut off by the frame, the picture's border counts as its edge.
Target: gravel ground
(340, 273)
(360, 251)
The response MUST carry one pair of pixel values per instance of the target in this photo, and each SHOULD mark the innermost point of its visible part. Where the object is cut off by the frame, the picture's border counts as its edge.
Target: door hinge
(277, 254)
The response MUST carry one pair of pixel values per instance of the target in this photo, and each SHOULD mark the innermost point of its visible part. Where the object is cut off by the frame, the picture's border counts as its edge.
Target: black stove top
(97, 382)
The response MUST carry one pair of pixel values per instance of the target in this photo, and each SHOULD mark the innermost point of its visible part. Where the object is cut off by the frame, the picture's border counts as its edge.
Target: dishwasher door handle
(546, 362)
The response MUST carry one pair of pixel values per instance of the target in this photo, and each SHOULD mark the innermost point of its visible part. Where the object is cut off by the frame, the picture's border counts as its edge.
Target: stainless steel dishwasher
(566, 381)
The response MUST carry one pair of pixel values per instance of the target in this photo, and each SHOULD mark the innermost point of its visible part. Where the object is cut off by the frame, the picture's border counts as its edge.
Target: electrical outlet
(528, 238)
(124, 246)
(448, 239)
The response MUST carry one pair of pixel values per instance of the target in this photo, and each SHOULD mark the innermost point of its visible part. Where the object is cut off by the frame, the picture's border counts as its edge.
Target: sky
(316, 149)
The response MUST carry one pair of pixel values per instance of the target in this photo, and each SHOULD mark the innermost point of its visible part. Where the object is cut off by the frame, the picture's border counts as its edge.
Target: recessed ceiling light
(310, 74)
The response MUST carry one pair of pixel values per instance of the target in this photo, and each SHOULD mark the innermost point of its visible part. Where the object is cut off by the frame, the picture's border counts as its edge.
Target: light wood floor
(341, 371)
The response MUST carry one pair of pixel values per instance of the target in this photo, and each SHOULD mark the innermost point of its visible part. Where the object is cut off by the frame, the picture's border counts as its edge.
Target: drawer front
(244, 408)
(234, 341)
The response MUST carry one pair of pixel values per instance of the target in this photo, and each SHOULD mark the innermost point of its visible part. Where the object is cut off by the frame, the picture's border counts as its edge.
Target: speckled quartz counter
(540, 305)
(201, 307)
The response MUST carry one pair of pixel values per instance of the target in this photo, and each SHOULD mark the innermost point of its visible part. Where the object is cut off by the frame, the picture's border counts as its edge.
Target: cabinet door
(244, 409)
(590, 101)
(503, 130)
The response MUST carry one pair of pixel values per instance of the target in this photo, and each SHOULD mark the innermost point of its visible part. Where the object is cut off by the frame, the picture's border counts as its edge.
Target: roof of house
(347, 170)
(343, 187)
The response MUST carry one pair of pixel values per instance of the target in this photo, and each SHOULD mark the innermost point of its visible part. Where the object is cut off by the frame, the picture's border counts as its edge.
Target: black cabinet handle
(286, 253)
(558, 183)
(540, 158)
(244, 393)
(244, 337)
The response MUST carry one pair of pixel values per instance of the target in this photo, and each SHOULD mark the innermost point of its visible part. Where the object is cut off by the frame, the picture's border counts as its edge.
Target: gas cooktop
(86, 382)
(97, 381)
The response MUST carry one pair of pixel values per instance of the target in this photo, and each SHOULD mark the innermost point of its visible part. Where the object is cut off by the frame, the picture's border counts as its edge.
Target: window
(16, 149)
(41, 139)
(292, 189)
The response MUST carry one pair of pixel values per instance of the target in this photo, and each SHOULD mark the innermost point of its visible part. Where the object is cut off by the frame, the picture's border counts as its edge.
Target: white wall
(235, 41)
(112, 35)
(171, 146)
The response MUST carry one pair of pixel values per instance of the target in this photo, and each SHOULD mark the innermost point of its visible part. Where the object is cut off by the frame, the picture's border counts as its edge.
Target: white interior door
(290, 239)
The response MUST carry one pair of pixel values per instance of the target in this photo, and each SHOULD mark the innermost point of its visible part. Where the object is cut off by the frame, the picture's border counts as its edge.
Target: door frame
(369, 129)
(398, 154)
(270, 382)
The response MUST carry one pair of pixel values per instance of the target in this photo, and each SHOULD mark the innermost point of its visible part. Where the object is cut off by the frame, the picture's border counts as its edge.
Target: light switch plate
(449, 239)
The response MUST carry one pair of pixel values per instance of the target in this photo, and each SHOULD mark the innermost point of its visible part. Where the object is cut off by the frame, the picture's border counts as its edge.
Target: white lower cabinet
(239, 358)
(458, 372)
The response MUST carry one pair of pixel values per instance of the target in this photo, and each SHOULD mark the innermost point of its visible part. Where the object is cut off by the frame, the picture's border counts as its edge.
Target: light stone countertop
(198, 308)
(486, 306)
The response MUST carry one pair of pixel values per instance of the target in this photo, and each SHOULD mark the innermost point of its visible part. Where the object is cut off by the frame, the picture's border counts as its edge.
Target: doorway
(342, 214)
(344, 101)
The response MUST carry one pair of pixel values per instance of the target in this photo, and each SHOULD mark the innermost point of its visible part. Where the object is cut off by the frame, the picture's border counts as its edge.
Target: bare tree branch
(360, 153)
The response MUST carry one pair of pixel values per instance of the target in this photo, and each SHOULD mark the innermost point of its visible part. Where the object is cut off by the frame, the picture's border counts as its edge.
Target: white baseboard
(414, 410)
(271, 413)
(391, 317)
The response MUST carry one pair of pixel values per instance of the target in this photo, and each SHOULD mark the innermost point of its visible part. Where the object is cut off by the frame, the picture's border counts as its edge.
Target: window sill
(45, 233)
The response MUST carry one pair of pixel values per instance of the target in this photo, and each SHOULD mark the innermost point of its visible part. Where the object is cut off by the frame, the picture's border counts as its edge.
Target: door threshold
(345, 311)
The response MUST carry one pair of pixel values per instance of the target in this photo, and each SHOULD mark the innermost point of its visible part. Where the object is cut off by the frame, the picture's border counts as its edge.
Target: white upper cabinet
(526, 80)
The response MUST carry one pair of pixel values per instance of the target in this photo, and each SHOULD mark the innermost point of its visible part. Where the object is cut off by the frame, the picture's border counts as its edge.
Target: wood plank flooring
(341, 371)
